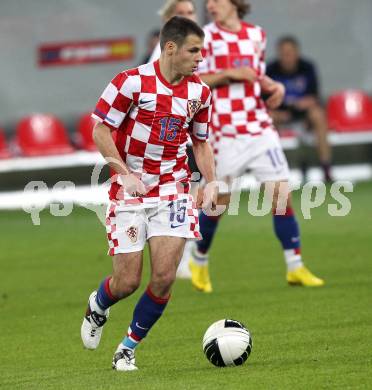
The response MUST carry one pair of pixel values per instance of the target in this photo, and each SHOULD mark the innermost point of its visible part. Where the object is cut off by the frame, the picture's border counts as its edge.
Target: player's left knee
(163, 279)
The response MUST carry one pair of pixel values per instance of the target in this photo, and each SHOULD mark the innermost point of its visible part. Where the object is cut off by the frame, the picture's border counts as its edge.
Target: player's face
(188, 56)
(288, 56)
(221, 10)
(185, 9)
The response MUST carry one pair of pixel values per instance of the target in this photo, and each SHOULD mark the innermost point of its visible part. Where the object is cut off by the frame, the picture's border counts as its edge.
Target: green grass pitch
(302, 338)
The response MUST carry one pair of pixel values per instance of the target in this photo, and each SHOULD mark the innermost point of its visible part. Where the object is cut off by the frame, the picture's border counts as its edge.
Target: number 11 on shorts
(276, 157)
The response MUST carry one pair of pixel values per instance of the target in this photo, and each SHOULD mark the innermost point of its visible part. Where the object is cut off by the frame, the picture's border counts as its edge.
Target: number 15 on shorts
(177, 214)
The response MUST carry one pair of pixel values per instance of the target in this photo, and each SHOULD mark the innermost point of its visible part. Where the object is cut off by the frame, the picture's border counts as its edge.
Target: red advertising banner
(83, 52)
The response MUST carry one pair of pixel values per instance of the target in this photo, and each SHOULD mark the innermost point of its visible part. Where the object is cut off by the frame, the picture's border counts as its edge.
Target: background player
(301, 101)
(185, 8)
(243, 134)
(152, 107)
(152, 42)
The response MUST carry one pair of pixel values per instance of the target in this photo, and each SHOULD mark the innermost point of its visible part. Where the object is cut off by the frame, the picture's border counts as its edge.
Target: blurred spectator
(302, 101)
(151, 42)
(185, 8)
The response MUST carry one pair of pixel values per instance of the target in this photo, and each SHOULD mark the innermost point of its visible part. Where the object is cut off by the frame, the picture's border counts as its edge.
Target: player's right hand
(245, 73)
(133, 185)
(275, 89)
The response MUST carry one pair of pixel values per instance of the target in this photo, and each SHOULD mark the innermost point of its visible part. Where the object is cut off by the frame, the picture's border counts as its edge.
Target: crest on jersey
(132, 233)
(193, 106)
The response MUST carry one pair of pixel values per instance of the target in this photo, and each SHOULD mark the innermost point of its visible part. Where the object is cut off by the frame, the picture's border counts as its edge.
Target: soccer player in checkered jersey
(185, 8)
(242, 132)
(152, 108)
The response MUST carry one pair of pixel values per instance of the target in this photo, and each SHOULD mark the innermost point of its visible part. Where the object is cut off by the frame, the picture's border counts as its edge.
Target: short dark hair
(243, 7)
(177, 29)
(292, 40)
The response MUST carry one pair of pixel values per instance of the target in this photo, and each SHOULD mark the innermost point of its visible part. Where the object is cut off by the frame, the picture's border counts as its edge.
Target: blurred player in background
(185, 8)
(243, 133)
(152, 108)
(152, 42)
(301, 101)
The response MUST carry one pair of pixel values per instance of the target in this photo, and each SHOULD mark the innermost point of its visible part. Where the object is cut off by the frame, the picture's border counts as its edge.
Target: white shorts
(262, 155)
(129, 227)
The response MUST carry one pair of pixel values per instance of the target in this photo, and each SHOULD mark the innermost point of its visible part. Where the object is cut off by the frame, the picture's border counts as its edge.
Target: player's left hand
(275, 89)
(207, 198)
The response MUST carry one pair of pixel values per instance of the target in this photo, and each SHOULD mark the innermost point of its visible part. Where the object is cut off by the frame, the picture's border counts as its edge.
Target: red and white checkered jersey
(237, 107)
(152, 119)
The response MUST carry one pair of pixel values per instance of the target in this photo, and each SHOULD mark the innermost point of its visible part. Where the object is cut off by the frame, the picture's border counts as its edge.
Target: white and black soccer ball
(227, 343)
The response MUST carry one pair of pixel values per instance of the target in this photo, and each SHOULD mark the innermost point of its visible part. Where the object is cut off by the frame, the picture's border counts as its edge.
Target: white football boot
(124, 359)
(91, 329)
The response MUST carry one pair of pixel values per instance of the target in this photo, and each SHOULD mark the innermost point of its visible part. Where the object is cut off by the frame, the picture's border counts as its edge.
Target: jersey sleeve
(115, 102)
(199, 126)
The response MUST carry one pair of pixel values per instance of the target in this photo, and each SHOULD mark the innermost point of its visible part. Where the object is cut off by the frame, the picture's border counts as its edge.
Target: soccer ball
(227, 343)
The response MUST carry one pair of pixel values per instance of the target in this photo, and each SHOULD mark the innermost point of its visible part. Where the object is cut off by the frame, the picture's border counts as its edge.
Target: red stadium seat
(350, 110)
(41, 135)
(4, 151)
(287, 133)
(85, 128)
